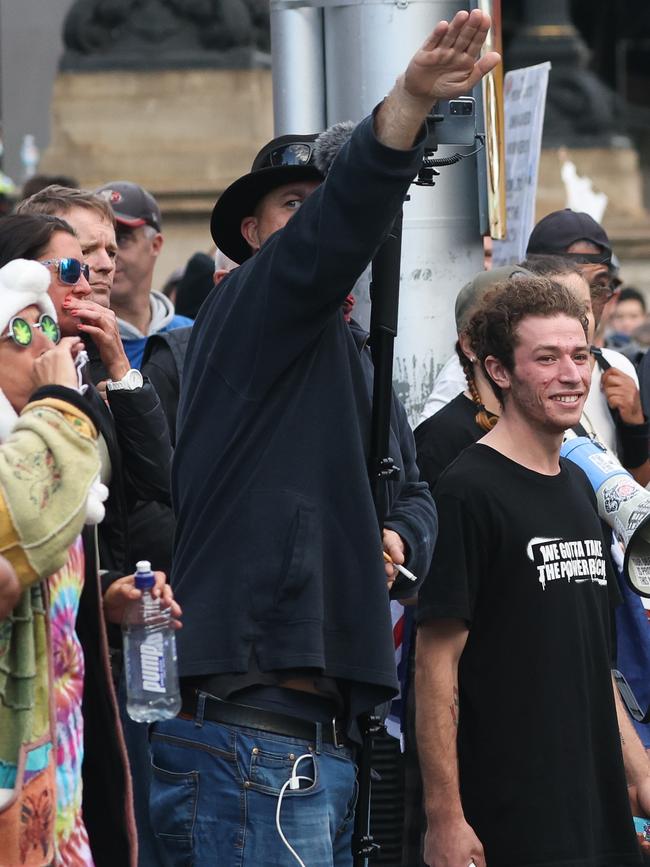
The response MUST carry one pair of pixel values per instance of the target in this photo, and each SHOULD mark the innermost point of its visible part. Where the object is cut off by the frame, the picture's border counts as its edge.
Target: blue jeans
(215, 788)
(137, 748)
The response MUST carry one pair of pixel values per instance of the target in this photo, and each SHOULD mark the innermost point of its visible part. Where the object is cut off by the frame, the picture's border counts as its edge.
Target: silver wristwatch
(131, 380)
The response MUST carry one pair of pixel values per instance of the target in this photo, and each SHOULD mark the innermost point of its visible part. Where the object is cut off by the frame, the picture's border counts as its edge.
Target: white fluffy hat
(23, 282)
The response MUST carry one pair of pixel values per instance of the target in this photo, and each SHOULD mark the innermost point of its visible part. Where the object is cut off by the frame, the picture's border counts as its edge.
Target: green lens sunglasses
(20, 331)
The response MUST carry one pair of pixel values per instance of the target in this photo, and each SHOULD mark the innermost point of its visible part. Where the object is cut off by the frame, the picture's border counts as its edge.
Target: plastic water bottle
(29, 156)
(152, 691)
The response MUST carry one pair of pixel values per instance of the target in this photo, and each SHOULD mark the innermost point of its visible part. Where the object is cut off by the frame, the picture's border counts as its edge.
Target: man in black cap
(279, 560)
(578, 236)
(140, 311)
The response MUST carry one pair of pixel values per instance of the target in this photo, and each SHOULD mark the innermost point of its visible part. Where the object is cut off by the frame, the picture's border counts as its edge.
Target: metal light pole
(298, 67)
(346, 55)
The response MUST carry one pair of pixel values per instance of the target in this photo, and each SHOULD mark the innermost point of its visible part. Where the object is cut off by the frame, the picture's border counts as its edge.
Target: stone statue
(581, 111)
(166, 34)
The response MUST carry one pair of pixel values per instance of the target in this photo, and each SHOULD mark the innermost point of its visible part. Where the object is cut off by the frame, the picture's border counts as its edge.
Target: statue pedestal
(182, 134)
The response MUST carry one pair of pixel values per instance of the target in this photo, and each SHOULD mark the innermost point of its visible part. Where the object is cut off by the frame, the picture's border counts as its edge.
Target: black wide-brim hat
(241, 198)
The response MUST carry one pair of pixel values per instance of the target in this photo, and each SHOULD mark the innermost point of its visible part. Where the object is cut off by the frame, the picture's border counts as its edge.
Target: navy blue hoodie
(277, 550)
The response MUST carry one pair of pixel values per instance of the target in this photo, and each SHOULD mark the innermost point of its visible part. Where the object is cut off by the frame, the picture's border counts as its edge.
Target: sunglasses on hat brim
(20, 330)
(69, 270)
(293, 154)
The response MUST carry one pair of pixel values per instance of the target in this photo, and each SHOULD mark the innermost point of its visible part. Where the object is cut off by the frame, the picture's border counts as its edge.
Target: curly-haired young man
(517, 727)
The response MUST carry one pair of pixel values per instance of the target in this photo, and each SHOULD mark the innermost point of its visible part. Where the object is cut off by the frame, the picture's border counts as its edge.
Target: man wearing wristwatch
(131, 380)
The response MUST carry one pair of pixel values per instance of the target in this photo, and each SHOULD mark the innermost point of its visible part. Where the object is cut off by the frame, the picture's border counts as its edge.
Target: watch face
(133, 379)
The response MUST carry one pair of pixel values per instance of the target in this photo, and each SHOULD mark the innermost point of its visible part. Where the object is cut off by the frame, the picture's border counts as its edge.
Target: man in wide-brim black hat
(239, 224)
(279, 559)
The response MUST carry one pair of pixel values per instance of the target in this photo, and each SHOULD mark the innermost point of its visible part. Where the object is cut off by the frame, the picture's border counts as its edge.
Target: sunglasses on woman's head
(20, 331)
(69, 270)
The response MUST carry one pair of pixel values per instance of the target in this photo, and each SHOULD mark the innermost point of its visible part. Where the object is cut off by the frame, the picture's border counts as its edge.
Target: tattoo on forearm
(622, 738)
(453, 707)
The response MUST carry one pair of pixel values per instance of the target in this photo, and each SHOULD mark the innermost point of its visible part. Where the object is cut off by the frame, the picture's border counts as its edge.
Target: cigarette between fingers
(401, 569)
(405, 572)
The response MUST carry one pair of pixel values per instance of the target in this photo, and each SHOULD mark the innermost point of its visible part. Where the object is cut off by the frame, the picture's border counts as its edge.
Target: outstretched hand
(448, 64)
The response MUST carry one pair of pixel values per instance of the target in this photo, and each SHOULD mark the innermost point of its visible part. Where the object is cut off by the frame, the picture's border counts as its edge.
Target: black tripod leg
(363, 845)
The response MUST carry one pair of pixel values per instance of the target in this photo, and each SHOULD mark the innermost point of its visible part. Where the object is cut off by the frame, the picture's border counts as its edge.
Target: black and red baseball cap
(132, 205)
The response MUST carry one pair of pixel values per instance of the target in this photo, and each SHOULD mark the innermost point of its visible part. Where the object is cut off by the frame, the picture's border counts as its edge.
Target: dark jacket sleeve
(143, 437)
(159, 366)
(412, 513)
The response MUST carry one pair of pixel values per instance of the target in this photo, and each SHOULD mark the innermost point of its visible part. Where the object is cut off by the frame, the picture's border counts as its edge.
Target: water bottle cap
(144, 577)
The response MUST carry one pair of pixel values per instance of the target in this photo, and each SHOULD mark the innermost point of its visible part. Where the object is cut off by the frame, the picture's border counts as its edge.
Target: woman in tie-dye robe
(48, 464)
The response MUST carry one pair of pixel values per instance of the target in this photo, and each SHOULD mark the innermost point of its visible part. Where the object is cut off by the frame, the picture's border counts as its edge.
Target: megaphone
(622, 502)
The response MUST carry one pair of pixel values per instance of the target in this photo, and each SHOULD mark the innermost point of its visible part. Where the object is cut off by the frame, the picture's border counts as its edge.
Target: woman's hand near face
(56, 366)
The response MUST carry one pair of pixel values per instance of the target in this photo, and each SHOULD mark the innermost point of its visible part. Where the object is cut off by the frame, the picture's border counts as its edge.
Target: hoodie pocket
(285, 561)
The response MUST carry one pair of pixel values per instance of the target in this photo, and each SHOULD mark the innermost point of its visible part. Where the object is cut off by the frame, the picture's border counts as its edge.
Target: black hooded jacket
(278, 551)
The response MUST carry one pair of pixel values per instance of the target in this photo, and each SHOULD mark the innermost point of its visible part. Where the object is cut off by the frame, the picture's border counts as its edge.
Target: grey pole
(298, 67)
(367, 43)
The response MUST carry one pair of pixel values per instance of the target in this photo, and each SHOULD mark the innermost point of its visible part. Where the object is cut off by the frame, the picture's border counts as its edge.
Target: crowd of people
(238, 427)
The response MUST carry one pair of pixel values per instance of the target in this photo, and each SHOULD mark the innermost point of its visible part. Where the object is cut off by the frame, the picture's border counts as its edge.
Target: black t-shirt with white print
(521, 557)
